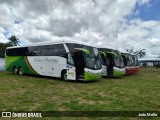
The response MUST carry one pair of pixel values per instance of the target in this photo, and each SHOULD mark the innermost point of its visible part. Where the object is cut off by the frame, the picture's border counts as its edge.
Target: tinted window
(8, 52)
(72, 47)
(104, 49)
(124, 60)
(34, 51)
(47, 50)
(17, 51)
(53, 50)
(103, 59)
(59, 49)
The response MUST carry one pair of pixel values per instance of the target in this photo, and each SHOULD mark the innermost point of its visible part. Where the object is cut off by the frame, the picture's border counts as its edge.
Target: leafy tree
(14, 40)
(139, 53)
(3, 46)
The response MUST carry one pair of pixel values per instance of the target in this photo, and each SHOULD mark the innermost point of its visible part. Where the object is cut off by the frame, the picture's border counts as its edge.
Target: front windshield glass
(135, 60)
(118, 60)
(92, 60)
(130, 59)
(116, 57)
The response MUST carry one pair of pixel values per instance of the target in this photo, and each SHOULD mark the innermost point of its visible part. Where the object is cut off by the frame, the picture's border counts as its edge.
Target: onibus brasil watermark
(21, 114)
(80, 114)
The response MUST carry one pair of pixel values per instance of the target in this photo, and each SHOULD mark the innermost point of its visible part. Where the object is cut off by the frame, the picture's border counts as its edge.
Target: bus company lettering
(45, 60)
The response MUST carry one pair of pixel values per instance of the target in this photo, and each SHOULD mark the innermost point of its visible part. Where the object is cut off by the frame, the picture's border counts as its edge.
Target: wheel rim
(65, 76)
(20, 71)
(15, 70)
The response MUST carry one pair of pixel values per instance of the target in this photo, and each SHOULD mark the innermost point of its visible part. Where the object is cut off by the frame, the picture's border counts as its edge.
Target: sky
(120, 24)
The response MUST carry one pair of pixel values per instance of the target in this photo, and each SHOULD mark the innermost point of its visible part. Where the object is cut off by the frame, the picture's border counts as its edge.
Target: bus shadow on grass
(59, 79)
(113, 78)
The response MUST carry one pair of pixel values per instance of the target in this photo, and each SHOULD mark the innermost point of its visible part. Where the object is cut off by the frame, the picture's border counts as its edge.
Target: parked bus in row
(127, 59)
(63, 59)
(112, 62)
(130, 63)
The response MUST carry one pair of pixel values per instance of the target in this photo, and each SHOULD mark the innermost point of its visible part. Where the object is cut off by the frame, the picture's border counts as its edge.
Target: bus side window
(58, 50)
(26, 51)
(70, 59)
(9, 52)
(103, 59)
(34, 51)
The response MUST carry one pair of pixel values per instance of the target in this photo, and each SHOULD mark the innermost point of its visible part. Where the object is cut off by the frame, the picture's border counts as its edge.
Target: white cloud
(3, 38)
(142, 2)
(140, 34)
(100, 22)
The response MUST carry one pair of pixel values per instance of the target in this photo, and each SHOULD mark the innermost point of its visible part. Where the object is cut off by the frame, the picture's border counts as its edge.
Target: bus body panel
(128, 71)
(71, 73)
(118, 71)
(47, 65)
(92, 74)
(17, 61)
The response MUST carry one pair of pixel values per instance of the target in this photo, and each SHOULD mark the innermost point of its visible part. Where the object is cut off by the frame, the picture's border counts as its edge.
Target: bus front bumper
(118, 71)
(92, 74)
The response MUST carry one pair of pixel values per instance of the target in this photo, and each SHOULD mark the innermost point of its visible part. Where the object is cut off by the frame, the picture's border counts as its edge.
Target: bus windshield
(92, 60)
(114, 56)
(135, 60)
(118, 60)
(130, 59)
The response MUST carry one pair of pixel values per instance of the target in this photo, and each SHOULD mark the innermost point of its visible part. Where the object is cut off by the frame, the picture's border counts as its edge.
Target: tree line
(13, 41)
(139, 53)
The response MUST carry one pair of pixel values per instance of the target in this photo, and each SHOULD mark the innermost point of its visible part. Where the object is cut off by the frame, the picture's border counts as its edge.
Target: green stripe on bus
(84, 50)
(17, 61)
(88, 76)
(101, 52)
(117, 73)
(113, 53)
(29, 65)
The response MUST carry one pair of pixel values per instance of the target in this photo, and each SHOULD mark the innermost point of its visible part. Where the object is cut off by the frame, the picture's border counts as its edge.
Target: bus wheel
(15, 70)
(20, 71)
(64, 75)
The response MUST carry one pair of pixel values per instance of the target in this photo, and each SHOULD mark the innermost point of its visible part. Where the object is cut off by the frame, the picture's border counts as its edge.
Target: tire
(15, 70)
(64, 75)
(20, 71)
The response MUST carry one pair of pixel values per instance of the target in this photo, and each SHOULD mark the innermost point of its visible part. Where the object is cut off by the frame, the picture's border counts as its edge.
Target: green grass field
(138, 92)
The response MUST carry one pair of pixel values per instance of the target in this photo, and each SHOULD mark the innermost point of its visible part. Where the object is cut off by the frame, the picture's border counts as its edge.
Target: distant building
(152, 62)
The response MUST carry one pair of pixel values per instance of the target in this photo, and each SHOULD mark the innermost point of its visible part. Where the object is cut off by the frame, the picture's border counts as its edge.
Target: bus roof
(129, 53)
(125, 52)
(106, 47)
(112, 49)
(53, 42)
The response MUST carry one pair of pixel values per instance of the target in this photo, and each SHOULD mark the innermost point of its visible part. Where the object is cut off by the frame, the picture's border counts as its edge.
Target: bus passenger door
(104, 70)
(71, 72)
(104, 63)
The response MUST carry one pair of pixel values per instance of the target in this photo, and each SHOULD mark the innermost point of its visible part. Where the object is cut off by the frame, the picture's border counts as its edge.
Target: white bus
(63, 59)
(112, 62)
